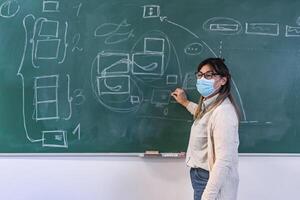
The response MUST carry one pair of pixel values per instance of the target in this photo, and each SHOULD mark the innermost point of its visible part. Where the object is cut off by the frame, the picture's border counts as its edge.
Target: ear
(223, 80)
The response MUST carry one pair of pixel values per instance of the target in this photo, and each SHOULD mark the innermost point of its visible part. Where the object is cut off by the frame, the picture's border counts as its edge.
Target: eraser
(152, 152)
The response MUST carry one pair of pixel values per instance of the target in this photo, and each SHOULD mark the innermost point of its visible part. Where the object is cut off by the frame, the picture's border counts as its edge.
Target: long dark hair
(218, 65)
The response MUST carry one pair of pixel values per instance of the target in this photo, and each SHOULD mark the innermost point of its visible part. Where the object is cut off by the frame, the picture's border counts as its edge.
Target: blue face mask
(205, 87)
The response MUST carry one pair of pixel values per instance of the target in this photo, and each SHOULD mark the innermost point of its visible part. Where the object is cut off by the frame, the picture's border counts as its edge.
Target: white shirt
(196, 156)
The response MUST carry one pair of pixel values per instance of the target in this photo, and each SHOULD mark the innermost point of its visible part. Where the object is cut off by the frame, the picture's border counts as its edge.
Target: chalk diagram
(117, 77)
(46, 47)
(121, 81)
(223, 25)
(114, 33)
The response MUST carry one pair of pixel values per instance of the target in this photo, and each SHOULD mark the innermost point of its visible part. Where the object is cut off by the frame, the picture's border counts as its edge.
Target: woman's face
(208, 70)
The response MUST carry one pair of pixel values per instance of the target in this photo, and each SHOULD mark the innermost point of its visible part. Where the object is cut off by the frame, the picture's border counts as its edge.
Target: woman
(213, 146)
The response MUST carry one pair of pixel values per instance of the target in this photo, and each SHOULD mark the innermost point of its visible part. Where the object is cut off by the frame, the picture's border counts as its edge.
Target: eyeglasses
(208, 75)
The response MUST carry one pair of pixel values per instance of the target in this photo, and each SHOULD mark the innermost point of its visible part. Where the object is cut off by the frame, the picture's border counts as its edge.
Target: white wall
(269, 178)
(126, 178)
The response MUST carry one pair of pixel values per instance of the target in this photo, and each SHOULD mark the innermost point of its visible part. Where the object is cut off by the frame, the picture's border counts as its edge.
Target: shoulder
(225, 112)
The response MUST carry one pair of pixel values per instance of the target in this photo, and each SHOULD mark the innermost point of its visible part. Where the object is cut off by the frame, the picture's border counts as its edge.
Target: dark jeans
(199, 178)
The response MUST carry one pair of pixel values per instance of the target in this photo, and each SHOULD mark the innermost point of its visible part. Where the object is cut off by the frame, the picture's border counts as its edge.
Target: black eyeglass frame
(207, 75)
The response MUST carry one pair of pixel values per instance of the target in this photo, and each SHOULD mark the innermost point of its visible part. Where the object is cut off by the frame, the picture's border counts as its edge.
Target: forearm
(191, 107)
(185, 103)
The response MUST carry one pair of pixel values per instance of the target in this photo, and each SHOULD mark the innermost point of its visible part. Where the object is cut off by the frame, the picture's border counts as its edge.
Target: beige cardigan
(223, 142)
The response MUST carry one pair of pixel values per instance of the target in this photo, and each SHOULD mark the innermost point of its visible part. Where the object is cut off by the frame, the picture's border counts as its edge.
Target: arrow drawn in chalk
(162, 19)
(165, 19)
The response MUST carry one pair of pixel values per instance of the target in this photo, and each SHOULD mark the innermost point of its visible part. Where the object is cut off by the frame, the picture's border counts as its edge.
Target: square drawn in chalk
(291, 31)
(46, 94)
(223, 27)
(271, 29)
(46, 110)
(50, 6)
(156, 45)
(113, 63)
(148, 64)
(172, 79)
(151, 11)
(114, 85)
(134, 99)
(47, 49)
(49, 28)
(46, 81)
(161, 97)
(55, 138)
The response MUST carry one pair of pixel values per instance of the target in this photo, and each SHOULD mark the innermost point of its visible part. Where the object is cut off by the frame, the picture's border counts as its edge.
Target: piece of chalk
(170, 155)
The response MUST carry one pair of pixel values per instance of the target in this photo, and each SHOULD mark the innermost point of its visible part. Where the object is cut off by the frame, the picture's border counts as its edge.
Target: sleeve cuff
(192, 107)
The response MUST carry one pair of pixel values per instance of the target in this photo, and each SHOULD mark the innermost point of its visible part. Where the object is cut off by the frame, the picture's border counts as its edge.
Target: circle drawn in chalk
(9, 8)
(166, 111)
(223, 25)
(193, 49)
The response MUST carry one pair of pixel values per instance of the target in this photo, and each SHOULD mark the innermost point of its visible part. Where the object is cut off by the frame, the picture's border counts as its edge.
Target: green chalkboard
(95, 76)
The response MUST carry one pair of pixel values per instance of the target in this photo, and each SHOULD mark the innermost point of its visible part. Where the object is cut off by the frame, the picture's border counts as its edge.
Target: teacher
(212, 152)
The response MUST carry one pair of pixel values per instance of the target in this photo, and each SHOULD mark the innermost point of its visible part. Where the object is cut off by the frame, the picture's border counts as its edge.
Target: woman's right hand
(180, 96)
